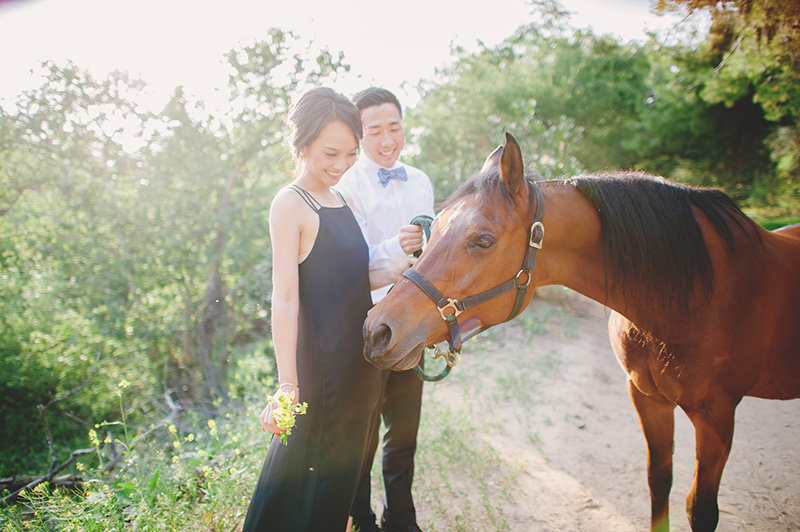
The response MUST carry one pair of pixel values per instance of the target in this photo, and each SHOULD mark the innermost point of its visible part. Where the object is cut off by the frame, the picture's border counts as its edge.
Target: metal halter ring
(528, 281)
(451, 358)
(451, 304)
(533, 243)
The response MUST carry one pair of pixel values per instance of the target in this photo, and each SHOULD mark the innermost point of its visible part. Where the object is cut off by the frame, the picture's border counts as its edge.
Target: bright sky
(181, 42)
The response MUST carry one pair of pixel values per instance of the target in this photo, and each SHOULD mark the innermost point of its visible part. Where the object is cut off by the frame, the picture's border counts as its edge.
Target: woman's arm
(390, 274)
(284, 228)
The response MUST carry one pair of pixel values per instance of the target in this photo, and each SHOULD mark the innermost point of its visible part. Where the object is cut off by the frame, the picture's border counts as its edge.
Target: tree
(756, 44)
(465, 111)
(138, 235)
(64, 291)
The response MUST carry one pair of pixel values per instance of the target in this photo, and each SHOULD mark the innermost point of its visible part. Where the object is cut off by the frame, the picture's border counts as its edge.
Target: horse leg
(713, 425)
(657, 417)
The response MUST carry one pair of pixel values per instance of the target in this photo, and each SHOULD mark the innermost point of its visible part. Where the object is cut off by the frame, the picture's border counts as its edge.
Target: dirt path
(556, 444)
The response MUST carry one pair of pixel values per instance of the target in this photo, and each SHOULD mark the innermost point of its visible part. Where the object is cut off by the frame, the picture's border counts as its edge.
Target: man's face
(383, 133)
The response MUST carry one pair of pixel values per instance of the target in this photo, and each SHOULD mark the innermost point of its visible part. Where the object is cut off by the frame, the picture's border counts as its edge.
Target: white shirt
(381, 211)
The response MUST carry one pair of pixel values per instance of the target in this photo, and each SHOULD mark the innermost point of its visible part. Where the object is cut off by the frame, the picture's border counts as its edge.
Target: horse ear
(511, 166)
(493, 159)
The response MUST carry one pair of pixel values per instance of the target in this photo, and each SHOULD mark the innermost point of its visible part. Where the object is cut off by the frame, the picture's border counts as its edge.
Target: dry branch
(49, 477)
(15, 485)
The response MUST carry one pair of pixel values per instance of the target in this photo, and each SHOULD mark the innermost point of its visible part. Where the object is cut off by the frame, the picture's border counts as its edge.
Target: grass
(198, 474)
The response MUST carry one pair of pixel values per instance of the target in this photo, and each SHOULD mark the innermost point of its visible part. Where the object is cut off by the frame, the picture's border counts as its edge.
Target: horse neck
(572, 250)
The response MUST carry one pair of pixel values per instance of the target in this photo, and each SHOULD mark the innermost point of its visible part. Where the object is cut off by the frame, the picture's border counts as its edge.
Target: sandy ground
(577, 451)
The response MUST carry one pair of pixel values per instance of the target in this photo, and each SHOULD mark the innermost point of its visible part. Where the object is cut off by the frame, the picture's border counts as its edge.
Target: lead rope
(451, 357)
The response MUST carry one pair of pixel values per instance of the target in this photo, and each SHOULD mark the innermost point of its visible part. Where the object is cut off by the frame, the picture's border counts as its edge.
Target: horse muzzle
(382, 350)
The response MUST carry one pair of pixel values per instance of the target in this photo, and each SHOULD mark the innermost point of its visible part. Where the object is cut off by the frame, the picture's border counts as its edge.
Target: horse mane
(486, 181)
(651, 239)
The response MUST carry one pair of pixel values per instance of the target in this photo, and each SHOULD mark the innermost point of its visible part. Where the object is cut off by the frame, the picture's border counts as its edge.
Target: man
(386, 194)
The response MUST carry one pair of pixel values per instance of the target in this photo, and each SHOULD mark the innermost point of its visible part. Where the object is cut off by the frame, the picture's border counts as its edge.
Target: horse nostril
(376, 341)
(381, 337)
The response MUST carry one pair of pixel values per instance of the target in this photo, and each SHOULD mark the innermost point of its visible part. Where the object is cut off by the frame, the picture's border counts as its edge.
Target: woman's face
(330, 155)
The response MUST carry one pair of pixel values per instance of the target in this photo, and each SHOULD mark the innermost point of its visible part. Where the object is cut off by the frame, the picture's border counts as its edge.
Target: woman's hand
(267, 417)
(401, 266)
(389, 274)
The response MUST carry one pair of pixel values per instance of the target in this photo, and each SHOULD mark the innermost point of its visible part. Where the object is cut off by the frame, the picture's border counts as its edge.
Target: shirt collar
(371, 167)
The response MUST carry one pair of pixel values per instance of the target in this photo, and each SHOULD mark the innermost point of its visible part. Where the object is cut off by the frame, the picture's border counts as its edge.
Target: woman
(320, 298)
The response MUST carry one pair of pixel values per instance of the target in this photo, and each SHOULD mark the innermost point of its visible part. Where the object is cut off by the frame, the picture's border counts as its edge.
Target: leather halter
(450, 308)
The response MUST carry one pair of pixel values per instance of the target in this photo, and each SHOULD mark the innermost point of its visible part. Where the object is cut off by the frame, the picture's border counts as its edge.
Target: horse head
(478, 240)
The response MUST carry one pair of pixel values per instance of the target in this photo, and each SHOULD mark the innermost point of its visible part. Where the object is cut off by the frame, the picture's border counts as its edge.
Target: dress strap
(344, 201)
(308, 198)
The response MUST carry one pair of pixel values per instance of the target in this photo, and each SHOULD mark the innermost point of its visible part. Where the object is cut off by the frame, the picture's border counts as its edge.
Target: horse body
(705, 311)
(744, 341)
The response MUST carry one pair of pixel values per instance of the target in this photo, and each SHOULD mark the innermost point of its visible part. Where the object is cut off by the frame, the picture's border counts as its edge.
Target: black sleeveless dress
(309, 484)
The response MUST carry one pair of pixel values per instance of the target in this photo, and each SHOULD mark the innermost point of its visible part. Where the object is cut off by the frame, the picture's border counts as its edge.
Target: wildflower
(285, 414)
(93, 437)
(213, 426)
(172, 429)
(190, 437)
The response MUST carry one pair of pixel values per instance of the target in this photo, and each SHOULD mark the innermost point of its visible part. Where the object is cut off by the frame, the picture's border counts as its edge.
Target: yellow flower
(190, 437)
(285, 414)
(213, 426)
(172, 429)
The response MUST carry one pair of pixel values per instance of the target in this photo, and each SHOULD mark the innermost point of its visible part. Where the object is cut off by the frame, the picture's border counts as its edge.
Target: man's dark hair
(376, 96)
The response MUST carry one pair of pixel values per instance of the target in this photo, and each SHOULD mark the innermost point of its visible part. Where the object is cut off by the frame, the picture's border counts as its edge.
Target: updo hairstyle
(313, 111)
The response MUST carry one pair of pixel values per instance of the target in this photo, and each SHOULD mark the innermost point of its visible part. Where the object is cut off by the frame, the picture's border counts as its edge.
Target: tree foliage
(675, 107)
(141, 236)
(755, 49)
(138, 235)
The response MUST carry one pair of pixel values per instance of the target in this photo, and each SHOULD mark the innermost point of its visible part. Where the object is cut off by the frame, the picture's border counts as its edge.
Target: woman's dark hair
(314, 110)
(376, 96)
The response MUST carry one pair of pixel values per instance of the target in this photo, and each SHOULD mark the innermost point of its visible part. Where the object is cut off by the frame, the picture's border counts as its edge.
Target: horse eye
(484, 242)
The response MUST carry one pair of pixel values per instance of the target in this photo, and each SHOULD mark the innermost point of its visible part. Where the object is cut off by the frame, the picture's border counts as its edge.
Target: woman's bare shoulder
(287, 194)
(290, 207)
(287, 199)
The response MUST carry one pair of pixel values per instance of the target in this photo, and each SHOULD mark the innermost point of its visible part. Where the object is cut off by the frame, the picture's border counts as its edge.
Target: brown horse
(706, 303)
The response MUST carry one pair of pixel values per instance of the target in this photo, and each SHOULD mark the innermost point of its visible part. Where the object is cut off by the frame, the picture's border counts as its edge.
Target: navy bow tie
(385, 175)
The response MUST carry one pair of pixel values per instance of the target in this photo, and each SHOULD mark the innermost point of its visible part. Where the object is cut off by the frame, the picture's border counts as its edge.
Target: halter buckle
(453, 305)
(536, 240)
